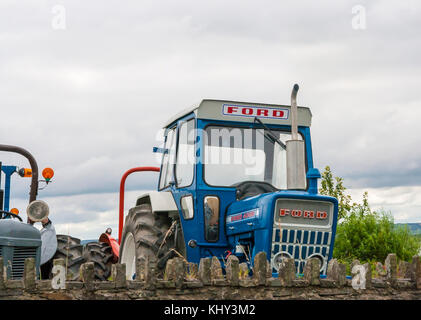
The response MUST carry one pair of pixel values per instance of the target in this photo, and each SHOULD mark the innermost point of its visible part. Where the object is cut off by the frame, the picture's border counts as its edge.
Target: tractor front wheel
(146, 236)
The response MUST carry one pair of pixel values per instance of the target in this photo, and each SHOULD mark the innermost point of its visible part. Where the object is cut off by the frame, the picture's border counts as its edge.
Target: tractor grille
(18, 262)
(300, 245)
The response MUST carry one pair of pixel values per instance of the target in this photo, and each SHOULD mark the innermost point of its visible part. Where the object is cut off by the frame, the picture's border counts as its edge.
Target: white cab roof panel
(226, 110)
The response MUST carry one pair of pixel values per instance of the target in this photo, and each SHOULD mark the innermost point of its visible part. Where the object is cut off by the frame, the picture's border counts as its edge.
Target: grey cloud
(88, 101)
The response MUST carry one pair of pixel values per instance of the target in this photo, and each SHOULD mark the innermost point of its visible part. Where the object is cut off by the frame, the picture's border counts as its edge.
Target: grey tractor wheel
(100, 253)
(145, 236)
(70, 249)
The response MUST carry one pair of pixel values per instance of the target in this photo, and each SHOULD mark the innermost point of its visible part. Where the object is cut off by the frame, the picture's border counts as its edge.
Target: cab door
(183, 187)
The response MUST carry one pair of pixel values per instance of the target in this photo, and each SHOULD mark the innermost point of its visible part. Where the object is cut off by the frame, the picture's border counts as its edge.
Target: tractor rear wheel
(70, 249)
(100, 253)
(146, 236)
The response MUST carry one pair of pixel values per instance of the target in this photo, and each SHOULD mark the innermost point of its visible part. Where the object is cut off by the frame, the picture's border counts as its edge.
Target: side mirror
(296, 161)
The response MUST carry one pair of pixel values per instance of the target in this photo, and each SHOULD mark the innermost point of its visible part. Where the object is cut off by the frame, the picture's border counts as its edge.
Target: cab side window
(185, 154)
(168, 160)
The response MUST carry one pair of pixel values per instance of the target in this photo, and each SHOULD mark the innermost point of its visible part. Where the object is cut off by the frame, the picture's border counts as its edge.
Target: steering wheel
(252, 188)
(5, 214)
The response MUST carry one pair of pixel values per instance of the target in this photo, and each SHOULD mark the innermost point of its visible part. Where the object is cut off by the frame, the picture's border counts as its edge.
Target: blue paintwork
(261, 229)
(8, 171)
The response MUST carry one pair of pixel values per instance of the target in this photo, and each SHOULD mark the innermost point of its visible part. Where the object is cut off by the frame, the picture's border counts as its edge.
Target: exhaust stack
(296, 175)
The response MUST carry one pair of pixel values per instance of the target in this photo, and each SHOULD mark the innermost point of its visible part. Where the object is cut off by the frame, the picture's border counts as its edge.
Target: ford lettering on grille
(303, 213)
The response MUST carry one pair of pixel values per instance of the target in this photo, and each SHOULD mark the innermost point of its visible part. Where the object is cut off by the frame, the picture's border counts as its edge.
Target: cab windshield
(233, 155)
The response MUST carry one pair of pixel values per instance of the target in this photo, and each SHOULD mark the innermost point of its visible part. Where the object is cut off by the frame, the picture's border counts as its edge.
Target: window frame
(250, 127)
(179, 124)
(204, 218)
(167, 164)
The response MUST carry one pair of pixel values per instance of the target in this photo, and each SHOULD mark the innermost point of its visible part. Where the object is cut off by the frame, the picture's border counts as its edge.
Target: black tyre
(147, 235)
(100, 253)
(70, 249)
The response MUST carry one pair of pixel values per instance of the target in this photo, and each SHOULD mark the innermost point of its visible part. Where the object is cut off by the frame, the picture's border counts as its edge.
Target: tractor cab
(226, 164)
(237, 178)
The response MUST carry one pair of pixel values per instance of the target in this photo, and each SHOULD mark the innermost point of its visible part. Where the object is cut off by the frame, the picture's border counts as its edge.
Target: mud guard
(115, 247)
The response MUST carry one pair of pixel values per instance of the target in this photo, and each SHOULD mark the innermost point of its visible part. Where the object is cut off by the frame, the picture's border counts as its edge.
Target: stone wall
(182, 280)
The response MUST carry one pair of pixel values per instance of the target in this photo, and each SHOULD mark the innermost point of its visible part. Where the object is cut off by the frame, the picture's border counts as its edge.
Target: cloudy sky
(86, 86)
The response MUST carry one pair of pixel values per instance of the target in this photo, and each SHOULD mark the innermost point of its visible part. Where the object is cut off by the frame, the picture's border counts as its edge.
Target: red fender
(121, 204)
(115, 247)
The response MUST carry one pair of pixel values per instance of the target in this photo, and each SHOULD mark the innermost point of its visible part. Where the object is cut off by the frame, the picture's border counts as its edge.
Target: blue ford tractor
(236, 178)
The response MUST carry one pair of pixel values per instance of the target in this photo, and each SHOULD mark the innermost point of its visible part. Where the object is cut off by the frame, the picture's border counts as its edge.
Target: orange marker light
(25, 172)
(48, 173)
(14, 210)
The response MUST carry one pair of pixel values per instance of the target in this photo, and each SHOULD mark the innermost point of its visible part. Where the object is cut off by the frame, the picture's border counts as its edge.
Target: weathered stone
(205, 271)
(180, 271)
(300, 283)
(259, 268)
(333, 292)
(118, 274)
(59, 274)
(405, 284)
(328, 283)
(378, 283)
(416, 271)
(216, 269)
(312, 271)
(247, 283)
(104, 285)
(87, 275)
(150, 273)
(391, 264)
(336, 271)
(381, 270)
(140, 269)
(29, 274)
(194, 284)
(342, 275)
(169, 270)
(2, 273)
(274, 282)
(134, 284)
(282, 293)
(286, 272)
(74, 285)
(165, 284)
(43, 285)
(219, 282)
(14, 284)
(404, 270)
(192, 271)
(232, 271)
(244, 271)
(268, 270)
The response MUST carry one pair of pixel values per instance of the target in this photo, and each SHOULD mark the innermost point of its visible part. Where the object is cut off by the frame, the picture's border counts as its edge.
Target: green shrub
(364, 234)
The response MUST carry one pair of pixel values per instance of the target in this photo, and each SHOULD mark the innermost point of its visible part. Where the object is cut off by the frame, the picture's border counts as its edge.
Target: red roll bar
(122, 184)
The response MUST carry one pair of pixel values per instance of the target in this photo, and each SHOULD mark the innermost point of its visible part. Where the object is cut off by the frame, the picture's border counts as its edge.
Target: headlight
(37, 210)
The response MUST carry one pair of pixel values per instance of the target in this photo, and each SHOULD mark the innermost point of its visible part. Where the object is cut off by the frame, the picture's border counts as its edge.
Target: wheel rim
(128, 256)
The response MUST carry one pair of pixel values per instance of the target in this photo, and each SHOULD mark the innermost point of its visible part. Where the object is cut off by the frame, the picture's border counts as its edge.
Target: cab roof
(226, 110)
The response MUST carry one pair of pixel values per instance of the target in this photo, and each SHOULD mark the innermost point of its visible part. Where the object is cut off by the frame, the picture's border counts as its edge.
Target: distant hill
(87, 241)
(415, 228)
